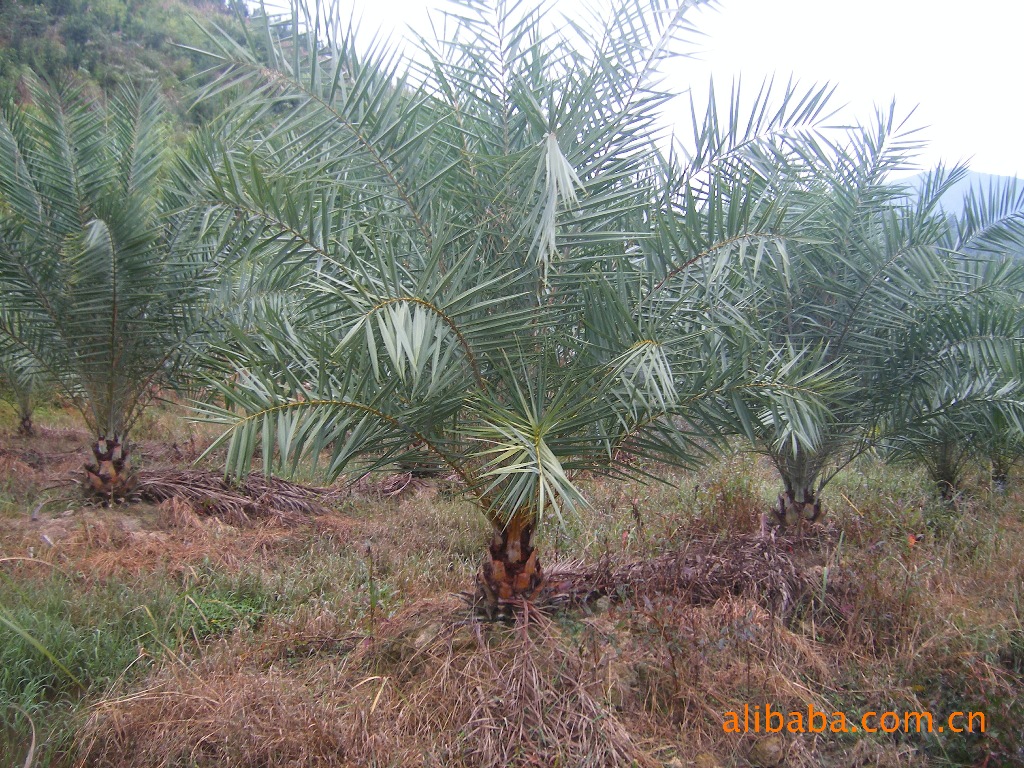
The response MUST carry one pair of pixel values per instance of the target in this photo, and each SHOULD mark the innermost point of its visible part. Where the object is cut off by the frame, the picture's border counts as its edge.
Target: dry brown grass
(688, 637)
(669, 610)
(471, 694)
(169, 539)
(642, 685)
(212, 717)
(431, 687)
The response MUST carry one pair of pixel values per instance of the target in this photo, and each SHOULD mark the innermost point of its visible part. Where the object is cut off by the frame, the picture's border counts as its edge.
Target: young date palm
(23, 383)
(967, 403)
(100, 288)
(472, 237)
(871, 294)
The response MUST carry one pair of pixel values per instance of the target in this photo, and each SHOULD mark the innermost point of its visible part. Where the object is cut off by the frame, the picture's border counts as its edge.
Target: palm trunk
(946, 467)
(799, 502)
(1000, 478)
(24, 394)
(511, 571)
(796, 506)
(110, 477)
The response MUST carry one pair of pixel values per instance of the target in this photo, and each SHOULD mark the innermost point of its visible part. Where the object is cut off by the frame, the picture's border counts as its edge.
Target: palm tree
(101, 288)
(863, 302)
(23, 381)
(967, 403)
(482, 283)
(1002, 445)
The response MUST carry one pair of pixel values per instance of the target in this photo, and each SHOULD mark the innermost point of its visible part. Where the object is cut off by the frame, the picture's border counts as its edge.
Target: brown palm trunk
(109, 476)
(792, 510)
(511, 571)
(25, 429)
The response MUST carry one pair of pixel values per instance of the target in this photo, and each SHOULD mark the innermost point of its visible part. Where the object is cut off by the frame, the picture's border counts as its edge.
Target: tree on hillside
(967, 402)
(475, 235)
(102, 288)
(872, 295)
(109, 44)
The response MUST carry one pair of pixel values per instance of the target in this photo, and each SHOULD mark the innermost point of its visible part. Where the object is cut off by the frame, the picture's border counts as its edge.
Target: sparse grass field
(150, 635)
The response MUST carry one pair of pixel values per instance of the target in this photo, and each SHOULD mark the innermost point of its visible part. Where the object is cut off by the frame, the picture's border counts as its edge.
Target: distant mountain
(953, 200)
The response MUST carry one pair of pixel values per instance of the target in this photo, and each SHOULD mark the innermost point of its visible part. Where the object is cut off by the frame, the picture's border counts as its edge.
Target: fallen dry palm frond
(241, 502)
(386, 485)
(706, 569)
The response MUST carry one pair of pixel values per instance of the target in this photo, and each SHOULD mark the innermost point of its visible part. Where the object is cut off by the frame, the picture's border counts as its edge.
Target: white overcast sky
(956, 62)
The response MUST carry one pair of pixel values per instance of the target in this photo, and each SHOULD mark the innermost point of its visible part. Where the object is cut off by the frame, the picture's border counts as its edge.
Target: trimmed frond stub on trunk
(109, 477)
(511, 570)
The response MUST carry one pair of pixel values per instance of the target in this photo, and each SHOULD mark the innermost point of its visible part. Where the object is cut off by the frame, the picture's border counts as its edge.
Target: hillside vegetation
(110, 43)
